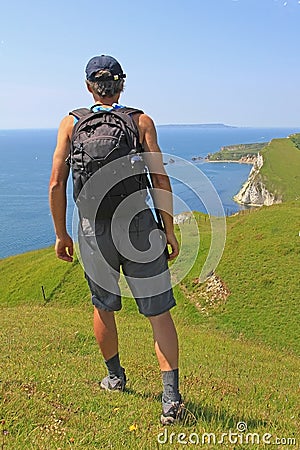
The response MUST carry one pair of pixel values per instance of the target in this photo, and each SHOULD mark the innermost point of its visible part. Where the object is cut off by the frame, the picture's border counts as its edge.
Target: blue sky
(193, 61)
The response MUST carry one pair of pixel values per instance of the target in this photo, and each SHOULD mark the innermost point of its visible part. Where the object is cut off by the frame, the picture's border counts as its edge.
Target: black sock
(113, 365)
(170, 382)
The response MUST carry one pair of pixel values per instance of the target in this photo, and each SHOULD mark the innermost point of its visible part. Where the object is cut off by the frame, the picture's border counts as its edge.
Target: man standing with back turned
(105, 81)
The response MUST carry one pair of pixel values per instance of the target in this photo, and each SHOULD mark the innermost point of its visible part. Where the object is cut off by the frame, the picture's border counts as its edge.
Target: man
(105, 81)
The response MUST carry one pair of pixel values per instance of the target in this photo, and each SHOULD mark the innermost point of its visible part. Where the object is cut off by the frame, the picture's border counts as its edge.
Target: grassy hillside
(236, 152)
(296, 139)
(239, 356)
(260, 266)
(281, 169)
(23, 276)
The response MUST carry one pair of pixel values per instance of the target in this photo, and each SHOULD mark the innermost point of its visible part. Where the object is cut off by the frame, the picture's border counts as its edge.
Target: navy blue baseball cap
(104, 62)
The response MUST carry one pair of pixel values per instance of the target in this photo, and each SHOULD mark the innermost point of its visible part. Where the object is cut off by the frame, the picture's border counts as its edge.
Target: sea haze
(26, 158)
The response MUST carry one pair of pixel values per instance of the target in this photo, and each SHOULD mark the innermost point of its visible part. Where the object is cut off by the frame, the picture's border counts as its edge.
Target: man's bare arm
(163, 198)
(57, 190)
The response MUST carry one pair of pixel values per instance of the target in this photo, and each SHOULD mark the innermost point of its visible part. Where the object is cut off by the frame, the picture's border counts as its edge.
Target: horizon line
(208, 124)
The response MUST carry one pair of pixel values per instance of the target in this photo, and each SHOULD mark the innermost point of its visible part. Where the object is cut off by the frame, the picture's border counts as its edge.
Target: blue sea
(26, 158)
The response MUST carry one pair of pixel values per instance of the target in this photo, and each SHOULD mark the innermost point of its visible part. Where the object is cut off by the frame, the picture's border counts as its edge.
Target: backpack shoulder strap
(80, 113)
(125, 114)
(128, 110)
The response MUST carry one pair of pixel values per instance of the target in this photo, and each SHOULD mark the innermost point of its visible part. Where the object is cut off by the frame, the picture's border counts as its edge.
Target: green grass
(281, 169)
(261, 266)
(51, 398)
(239, 360)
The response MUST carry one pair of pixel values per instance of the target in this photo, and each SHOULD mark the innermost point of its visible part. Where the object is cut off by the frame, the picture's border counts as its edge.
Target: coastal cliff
(254, 191)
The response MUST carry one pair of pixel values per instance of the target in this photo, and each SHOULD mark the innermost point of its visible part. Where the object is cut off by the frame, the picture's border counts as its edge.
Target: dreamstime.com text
(240, 436)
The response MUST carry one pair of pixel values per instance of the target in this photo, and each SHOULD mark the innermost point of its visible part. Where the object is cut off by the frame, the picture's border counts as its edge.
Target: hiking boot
(171, 411)
(114, 383)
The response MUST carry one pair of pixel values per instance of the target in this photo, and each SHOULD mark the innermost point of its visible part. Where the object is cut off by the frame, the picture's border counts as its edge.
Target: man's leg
(166, 347)
(165, 341)
(107, 337)
(106, 332)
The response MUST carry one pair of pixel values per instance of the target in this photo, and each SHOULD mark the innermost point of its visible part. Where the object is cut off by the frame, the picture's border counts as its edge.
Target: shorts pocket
(143, 221)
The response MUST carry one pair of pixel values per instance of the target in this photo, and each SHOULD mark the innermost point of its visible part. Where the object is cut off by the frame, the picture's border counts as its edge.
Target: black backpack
(101, 137)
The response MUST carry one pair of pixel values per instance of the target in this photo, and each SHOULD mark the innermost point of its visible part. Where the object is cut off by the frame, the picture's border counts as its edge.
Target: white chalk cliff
(254, 192)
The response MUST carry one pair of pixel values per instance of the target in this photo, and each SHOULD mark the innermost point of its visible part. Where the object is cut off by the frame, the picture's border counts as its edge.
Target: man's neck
(107, 101)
